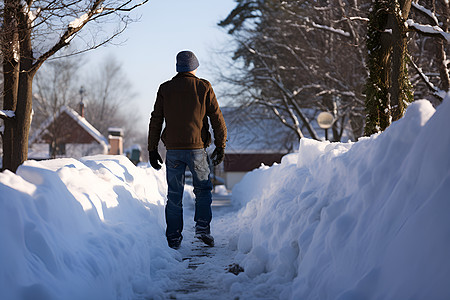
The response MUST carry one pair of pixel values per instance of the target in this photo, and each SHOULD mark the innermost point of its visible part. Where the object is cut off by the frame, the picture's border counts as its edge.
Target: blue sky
(165, 28)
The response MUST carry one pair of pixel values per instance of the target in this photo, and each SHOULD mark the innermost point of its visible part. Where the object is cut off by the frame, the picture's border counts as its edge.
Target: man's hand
(155, 159)
(217, 156)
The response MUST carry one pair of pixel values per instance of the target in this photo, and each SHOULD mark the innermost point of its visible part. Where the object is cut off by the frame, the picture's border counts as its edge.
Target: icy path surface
(204, 266)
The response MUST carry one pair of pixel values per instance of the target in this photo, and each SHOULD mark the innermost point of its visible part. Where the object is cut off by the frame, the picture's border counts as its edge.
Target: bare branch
(93, 47)
(277, 113)
(122, 8)
(70, 32)
(96, 11)
(299, 50)
(428, 30)
(358, 19)
(331, 29)
(436, 92)
(426, 12)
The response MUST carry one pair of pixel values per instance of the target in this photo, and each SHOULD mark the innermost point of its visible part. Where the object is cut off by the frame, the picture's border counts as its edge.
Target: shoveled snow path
(203, 264)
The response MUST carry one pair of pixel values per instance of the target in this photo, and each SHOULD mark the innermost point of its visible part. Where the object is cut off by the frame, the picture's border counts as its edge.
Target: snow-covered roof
(251, 131)
(76, 117)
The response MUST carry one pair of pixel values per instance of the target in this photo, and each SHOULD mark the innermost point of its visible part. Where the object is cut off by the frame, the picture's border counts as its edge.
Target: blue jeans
(176, 162)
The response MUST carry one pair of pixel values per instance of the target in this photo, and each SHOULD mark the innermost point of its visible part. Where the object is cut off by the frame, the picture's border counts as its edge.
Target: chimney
(115, 138)
(82, 109)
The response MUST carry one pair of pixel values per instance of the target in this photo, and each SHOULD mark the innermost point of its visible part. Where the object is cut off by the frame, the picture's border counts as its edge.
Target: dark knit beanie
(186, 61)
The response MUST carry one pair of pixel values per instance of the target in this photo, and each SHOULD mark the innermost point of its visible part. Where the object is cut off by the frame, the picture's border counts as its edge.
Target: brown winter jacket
(184, 103)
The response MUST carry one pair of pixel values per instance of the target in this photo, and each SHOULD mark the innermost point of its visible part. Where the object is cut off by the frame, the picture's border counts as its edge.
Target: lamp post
(325, 121)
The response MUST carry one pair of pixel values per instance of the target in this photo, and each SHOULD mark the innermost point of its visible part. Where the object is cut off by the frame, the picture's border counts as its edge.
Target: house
(68, 134)
(254, 138)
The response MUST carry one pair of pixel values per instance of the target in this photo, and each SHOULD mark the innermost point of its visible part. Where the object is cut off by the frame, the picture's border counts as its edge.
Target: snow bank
(364, 220)
(88, 229)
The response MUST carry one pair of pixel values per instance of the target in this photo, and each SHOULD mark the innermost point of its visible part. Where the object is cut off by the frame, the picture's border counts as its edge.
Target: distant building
(67, 134)
(254, 138)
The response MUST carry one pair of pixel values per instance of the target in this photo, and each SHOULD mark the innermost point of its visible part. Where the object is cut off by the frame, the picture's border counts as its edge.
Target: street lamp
(325, 121)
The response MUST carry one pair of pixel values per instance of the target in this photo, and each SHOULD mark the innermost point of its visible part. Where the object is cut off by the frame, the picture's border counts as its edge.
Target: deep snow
(364, 220)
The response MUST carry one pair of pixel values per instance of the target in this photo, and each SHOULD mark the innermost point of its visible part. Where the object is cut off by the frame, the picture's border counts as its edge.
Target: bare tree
(34, 31)
(109, 94)
(302, 58)
(110, 97)
(55, 85)
(429, 45)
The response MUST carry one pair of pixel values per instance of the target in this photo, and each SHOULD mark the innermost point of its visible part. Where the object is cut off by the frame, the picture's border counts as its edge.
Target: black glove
(155, 159)
(217, 156)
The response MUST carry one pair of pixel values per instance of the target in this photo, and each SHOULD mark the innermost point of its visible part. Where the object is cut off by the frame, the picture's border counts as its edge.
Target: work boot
(174, 242)
(203, 234)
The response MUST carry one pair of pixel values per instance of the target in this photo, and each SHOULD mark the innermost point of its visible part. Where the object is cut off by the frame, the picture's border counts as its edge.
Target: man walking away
(185, 103)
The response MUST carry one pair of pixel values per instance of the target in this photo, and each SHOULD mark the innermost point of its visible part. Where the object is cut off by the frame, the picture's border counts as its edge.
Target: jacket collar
(185, 74)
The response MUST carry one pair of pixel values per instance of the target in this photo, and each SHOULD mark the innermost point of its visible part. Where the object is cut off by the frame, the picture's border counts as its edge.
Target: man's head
(186, 61)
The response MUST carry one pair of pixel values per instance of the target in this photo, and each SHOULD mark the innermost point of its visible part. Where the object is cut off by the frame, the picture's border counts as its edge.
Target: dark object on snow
(217, 156)
(186, 61)
(206, 238)
(135, 156)
(174, 242)
(235, 269)
(204, 234)
(155, 159)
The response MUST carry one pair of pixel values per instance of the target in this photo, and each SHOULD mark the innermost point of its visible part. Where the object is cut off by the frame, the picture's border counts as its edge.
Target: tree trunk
(18, 75)
(23, 120)
(24, 95)
(10, 77)
(357, 125)
(388, 87)
(378, 64)
(440, 51)
(400, 89)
